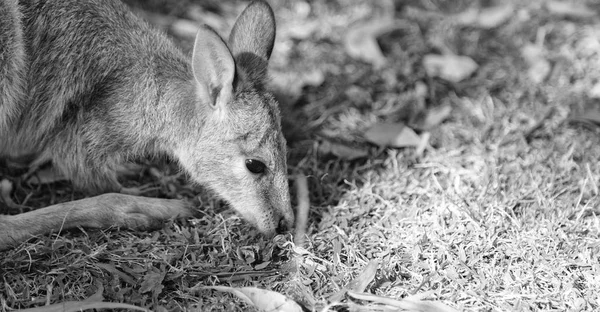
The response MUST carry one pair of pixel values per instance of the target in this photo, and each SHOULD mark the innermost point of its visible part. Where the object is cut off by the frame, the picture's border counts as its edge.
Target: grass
(500, 213)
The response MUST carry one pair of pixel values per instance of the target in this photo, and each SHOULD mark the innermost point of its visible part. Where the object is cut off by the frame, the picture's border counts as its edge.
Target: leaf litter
(392, 135)
(570, 9)
(261, 299)
(343, 151)
(94, 302)
(360, 40)
(450, 67)
(490, 218)
(486, 17)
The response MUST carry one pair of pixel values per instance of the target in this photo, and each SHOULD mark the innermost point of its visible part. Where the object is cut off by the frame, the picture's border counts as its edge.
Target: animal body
(88, 85)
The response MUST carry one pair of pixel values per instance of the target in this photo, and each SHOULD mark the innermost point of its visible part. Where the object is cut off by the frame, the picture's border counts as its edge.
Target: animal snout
(283, 226)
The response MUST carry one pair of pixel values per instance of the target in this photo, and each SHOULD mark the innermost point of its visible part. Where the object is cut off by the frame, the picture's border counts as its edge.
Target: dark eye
(255, 166)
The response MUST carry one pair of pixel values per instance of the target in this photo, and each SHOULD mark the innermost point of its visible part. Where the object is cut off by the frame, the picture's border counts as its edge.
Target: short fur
(88, 85)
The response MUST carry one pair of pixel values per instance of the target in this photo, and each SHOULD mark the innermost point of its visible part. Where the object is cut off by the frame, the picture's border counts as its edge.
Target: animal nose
(283, 226)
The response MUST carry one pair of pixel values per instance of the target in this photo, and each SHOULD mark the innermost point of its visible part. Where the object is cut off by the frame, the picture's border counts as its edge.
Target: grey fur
(89, 85)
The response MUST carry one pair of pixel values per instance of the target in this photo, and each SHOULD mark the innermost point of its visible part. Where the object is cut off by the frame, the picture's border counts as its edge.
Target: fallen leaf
(94, 302)
(393, 135)
(359, 284)
(303, 294)
(538, 71)
(288, 85)
(487, 18)
(75, 306)
(594, 91)
(261, 266)
(539, 67)
(435, 116)
(491, 17)
(531, 53)
(153, 282)
(421, 90)
(361, 41)
(342, 151)
(570, 9)
(406, 304)
(261, 299)
(591, 117)
(450, 67)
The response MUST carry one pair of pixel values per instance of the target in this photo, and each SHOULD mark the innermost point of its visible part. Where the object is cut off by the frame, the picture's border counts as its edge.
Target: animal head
(236, 146)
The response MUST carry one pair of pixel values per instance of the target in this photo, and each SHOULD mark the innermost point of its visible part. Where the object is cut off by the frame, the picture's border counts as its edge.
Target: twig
(302, 209)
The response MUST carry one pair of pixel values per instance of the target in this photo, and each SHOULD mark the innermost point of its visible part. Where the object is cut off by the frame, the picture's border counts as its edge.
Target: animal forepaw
(143, 213)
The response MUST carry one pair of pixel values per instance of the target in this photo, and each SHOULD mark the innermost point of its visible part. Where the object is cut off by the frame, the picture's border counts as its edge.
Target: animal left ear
(213, 67)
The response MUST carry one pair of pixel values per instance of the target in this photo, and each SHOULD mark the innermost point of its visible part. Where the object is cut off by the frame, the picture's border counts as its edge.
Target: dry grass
(499, 214)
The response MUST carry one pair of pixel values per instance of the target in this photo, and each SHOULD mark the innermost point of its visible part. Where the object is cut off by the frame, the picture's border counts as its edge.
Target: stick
(302, 209)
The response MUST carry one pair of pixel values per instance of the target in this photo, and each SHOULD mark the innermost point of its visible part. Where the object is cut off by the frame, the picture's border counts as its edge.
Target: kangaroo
(88, 85)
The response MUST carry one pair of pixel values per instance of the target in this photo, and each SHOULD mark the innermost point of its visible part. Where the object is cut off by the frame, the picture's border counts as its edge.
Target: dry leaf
(342, 151)
(303, 294)
(538, 71)
(261, 266)
(361, 41)
(92, 303)
(570, 9)
(594, 91)
(153, 281)
(591, 117)
(494, 16)
(393, 135)
(410, 304)
(261, 299)
(488, 17)
(532, 53)
(450, 67)
(289, 84)
(435, 116)
(76, 306)
(539, 67)
(359, 284)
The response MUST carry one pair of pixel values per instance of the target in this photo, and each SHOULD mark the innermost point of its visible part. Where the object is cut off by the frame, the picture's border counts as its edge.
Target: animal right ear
(213, 67)
(252, 38)
(254, 31)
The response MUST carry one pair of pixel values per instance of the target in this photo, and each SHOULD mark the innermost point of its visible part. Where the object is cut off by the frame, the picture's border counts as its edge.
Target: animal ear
(213, 67)
(253, 35)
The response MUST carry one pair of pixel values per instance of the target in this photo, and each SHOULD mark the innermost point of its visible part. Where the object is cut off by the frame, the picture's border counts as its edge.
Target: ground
(495, 209)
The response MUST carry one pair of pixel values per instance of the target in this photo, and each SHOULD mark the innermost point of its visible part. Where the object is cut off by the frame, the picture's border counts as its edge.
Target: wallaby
(88, 85)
